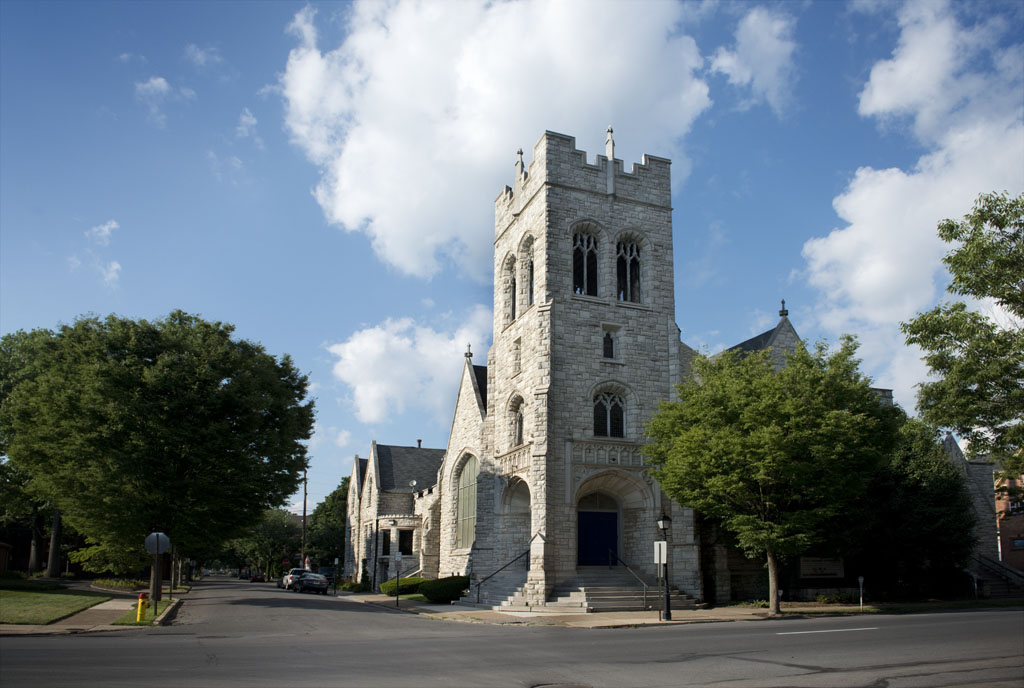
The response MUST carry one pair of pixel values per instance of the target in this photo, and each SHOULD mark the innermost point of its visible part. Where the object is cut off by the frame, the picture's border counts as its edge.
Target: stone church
(542, 487)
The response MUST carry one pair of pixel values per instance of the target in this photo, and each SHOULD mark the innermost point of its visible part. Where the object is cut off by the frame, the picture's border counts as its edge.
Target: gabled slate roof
(399, 465)
(362, 469)
(757, 343)
(481, 382)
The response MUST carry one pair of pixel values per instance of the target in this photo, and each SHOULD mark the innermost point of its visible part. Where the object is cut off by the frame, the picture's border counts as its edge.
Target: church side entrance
(597, 529)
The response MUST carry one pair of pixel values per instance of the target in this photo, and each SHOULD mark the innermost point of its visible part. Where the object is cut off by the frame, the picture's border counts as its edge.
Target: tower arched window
(509, 286)
(584, 264)
(465, 510)
(609, 415)
(529, 275)
(628, 271)
(517, 422)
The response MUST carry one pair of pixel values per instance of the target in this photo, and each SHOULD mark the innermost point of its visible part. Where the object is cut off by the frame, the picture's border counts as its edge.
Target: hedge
(444, 589)
(406, 586)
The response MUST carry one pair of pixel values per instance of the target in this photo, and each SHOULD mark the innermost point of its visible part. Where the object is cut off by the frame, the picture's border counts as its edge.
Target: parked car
(258, 578)
(310, 582)
(290, 578)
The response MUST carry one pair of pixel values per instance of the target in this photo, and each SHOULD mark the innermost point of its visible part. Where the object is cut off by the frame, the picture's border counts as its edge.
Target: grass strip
(129, 618)
(44, 607)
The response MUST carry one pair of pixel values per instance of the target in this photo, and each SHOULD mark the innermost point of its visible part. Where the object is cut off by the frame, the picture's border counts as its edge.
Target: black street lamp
(664, 523)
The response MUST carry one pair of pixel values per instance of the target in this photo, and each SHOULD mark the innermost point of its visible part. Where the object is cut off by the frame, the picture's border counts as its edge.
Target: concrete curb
(167, 616)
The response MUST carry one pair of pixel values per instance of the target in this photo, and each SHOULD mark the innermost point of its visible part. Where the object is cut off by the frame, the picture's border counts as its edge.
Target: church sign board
(821, 567)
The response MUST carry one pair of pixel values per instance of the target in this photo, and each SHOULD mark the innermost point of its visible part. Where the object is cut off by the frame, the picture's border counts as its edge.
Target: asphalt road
(243, 634)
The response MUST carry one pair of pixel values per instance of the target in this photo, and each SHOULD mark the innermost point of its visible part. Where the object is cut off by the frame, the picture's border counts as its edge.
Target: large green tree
(326, 534)
(266, 542)
(975, 353)
(772, 455)
(133, 425)
(919, 489)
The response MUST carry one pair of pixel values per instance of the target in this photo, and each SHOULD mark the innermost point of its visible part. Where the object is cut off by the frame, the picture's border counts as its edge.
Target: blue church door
(597, 533)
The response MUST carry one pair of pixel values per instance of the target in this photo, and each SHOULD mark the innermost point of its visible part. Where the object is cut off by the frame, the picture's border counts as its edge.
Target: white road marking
(831, 630)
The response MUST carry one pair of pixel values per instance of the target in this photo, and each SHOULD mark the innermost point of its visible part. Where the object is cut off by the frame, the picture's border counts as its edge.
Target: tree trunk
(53, 562)
(773, 585)
(34, 558)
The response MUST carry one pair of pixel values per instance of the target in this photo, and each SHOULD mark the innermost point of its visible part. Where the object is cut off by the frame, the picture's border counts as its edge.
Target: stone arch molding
(587, 224)
(512, 495)
(629, 489)
(454, 469)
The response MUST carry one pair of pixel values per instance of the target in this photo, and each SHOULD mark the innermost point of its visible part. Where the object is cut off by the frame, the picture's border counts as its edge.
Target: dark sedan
(310, 582)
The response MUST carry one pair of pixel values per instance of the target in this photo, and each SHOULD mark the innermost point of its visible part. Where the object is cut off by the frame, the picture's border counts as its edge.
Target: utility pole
(305, 484)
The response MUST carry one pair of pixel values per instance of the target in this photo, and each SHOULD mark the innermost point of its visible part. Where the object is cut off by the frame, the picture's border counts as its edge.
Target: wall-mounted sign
(821, 567)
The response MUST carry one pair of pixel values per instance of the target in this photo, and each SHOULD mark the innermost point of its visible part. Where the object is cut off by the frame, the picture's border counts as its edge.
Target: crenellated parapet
(557, 162)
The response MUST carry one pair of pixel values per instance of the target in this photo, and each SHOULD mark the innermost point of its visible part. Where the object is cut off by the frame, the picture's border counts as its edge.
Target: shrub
(349, 586)
(406, 586)
(838, 598)
(444, 589)
(121, 583)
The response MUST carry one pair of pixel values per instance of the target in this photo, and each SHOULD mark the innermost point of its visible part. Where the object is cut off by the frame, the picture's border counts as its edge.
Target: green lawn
(129, 619)
(44, 606)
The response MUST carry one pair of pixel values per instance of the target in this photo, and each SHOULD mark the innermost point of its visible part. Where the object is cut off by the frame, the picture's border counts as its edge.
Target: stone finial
(783, 312)
(469, 351)
(609, 152)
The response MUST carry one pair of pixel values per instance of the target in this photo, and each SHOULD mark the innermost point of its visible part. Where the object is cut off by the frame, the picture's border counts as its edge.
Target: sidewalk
(91, 620)
(464, 613)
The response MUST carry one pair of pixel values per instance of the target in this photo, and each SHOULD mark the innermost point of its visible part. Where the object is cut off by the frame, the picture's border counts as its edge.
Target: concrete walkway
(456, 612)
(92, 620)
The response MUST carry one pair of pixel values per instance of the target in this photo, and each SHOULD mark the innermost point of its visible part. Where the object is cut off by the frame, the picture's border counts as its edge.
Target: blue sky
(323, 175)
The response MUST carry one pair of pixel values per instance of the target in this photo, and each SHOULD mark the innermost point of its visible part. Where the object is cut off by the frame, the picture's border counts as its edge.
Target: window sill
(634, 306)
(612, 361)
(589, 299)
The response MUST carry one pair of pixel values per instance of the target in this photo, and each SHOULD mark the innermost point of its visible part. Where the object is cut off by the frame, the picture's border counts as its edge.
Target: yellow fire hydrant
(143, 605)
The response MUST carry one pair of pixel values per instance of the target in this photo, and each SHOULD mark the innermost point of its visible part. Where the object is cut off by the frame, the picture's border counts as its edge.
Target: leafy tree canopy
(272, 537)
(132, 426)
(978, 357)
(326, 534)
(773, 455)
(921, 490)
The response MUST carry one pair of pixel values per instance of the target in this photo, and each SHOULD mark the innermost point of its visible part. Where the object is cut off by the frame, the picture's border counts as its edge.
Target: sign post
(860, 582)
(156, 544)
(661, 557)
(398, 575)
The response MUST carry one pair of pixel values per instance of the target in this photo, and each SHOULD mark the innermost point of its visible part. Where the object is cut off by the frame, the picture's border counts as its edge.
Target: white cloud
(329, 435)
(100, 234)
(421, 99)
(111, 272)
(403, 365)
(230, 168)
(883, 265)
(155, 92)
(246, 127)
(202, 57)
(762, 58)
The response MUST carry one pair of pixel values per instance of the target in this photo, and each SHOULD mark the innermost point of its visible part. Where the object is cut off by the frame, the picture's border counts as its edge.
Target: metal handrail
(484, 580)
(611, 555)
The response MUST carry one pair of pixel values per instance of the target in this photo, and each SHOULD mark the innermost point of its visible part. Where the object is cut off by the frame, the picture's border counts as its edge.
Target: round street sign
(157, 543)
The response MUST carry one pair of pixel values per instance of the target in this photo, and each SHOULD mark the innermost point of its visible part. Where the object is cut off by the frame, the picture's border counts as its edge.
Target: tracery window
(628, 271)
(609, 415)
(584, 264)
(465, 512)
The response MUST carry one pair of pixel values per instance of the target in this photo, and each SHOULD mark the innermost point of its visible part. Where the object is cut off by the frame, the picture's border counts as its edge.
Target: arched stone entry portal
(597, 529)
(515, 522)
